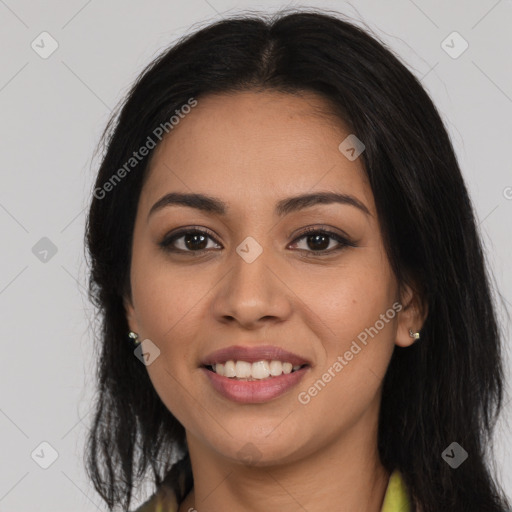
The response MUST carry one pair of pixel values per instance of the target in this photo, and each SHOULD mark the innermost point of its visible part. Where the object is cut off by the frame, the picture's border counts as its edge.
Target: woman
(296, 312)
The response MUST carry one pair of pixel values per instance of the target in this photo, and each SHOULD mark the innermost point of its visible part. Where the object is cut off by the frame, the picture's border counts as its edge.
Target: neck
(344, 475)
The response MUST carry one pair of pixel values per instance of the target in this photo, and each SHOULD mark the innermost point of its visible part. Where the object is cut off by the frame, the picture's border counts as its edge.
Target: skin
(251, 150)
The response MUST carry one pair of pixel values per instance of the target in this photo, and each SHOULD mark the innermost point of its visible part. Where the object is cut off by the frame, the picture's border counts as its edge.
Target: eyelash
(167, 242)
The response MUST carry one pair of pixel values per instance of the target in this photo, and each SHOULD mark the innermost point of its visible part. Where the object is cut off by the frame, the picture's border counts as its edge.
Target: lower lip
(254, 391)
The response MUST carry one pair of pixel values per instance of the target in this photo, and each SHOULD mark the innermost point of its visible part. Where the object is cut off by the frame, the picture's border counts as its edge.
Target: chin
(261, 452)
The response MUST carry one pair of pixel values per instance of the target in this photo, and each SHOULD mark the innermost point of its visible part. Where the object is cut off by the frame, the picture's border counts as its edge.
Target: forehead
(254, 147)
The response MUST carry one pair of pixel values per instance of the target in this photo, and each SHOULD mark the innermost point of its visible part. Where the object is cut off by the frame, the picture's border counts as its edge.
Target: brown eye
(319, 241)
(192, 240)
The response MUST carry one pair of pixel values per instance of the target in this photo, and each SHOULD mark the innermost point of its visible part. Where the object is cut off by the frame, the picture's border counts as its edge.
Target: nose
(252, 293)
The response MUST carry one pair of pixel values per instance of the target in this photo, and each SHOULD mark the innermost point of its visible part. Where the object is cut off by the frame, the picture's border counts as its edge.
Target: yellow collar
(396, 498)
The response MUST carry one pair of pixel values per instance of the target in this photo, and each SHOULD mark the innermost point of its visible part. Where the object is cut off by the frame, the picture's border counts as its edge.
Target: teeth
(287, 368)
(253, 371)
(243, 369)
(229, 369)
(260, 370)
(276, 368)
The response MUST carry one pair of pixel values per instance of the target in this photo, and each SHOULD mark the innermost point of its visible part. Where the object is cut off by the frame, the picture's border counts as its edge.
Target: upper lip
(252, 355)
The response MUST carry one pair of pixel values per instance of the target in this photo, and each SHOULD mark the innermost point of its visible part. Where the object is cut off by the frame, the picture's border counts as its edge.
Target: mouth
(253, 374)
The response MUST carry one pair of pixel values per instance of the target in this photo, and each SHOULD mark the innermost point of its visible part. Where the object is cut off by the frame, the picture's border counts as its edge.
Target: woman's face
(254, 279)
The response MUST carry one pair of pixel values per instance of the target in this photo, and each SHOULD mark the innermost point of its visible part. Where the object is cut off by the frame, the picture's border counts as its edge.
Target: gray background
(52, 113)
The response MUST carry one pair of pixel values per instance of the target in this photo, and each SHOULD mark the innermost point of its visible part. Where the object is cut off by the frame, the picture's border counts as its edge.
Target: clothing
(396, 498)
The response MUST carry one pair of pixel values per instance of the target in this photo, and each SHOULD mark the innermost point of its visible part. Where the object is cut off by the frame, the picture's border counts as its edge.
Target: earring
(134, 336)
(415, 335)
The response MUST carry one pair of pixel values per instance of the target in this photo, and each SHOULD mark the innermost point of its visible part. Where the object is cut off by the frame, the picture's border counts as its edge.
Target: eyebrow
(216, 206)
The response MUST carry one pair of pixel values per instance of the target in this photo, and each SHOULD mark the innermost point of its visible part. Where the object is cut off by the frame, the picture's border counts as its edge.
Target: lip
(254, 391)
(253, 354)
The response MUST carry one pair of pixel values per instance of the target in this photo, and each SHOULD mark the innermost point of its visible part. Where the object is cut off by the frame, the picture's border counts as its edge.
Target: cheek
(168, 304)
(358, 331)
(350, 298)
(346, 384)
(166, 297)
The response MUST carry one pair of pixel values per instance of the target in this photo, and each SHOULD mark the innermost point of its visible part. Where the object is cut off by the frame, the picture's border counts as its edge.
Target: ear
(130, 314)
(412, 315)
